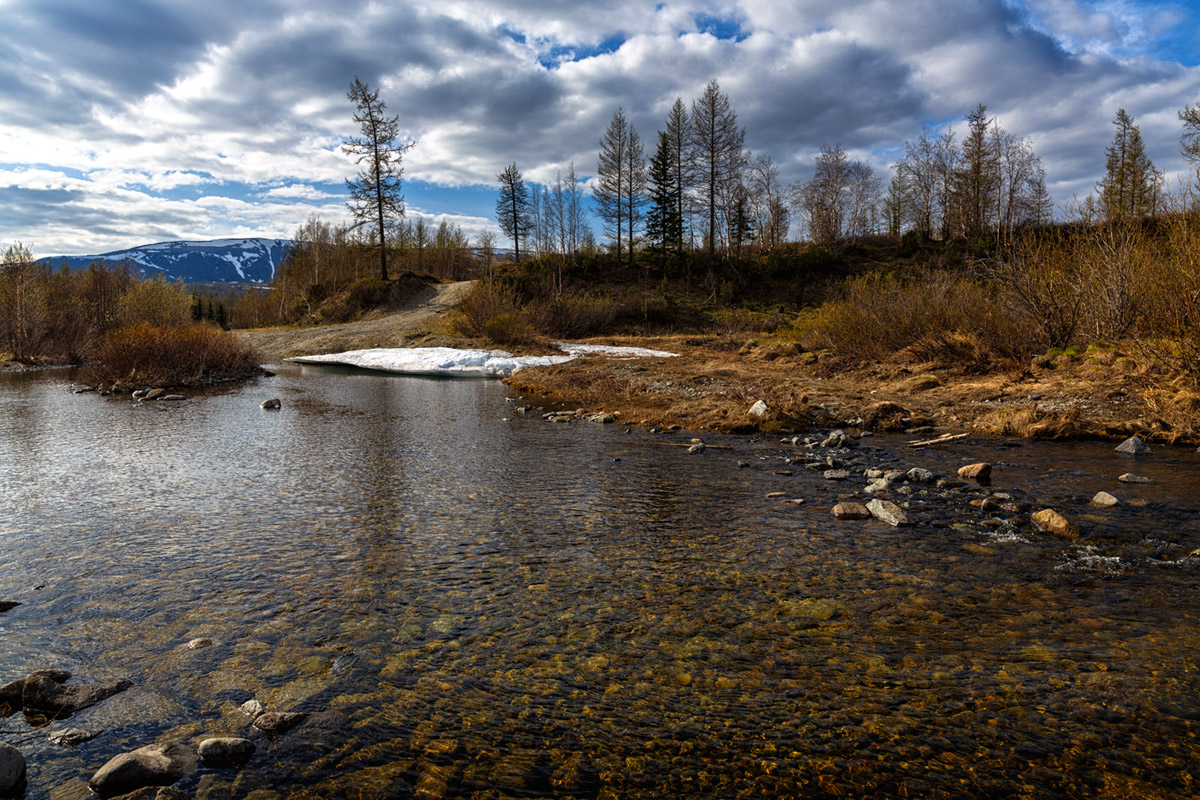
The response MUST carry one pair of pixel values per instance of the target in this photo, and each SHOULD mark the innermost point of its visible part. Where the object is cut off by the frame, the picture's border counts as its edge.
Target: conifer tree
(1129, 189)
(718, 155)
(679, 138)
(375, 194)
(664, 223)
(1189, 140)
(512, 208)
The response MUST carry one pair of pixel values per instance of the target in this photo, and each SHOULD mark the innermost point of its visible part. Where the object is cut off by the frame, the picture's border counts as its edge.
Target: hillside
(250, 260)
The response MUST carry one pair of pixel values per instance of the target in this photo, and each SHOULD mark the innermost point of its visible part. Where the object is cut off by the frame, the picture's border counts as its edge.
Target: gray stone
(759, 409)
(174, 398)
(12, 769)
(73, 737)
(878, 485)
(887, 511)
(1105, 500)
(836, 474)
(1133, 446)
(919, 475)
(199, 644)
(697, 448)
(271, 405)
(154, 765)
(43, 694)
(226, 751)
(1129, 477)
(252, 708)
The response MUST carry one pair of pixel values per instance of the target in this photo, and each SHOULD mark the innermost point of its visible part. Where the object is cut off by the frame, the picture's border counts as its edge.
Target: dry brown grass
(186, 355)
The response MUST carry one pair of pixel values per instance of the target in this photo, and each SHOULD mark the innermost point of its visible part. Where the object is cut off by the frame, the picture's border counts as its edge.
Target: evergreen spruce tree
(664, 223)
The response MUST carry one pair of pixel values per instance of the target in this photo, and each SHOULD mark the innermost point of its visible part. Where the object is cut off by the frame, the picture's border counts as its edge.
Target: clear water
(486, 608)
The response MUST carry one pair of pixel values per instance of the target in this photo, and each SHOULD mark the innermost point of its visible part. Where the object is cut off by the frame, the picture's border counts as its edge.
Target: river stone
(887, 511)
(12, 692)
(7, 605)
(44, 694)
(153, 765)
(981, 472)
(271, 404)
(252, 708)
(759, 409)
(836, 474)
(12, 768)
(1053, 522)
(73, 737)
(1105, 500)
(1133, 446)
(1129, 477)
(698, 447)
(226, 751)
(851, 511)
(277, 722)
(878, 485)
(919, 475)
(199, 643)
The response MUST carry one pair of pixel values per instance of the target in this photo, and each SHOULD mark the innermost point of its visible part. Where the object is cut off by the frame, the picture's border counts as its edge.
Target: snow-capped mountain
(218, 261)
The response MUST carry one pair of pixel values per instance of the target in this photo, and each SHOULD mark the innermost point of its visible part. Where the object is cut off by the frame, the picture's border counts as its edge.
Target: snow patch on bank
(453, 363)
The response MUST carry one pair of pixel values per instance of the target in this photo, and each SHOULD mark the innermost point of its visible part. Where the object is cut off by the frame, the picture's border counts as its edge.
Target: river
(477, 603)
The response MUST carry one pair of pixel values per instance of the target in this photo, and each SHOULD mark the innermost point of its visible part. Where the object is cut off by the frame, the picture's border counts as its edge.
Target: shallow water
(490, 608)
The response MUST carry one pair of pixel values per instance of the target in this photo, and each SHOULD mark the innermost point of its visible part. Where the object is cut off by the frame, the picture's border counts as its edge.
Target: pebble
(981, 472)
(851, 511)
(887, 511)
(271, 405)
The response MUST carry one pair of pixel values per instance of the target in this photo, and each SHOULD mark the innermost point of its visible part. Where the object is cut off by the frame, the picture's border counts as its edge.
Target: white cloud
(107, 117)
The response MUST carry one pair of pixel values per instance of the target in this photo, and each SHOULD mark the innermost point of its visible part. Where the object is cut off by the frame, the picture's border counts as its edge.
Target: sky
(127, 122)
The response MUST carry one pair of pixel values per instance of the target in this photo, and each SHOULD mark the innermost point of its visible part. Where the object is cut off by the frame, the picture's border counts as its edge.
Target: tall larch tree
(512, 207)
(1129, 189)
(974, 187)
(376, 197)
(717, 149)
(611, 178)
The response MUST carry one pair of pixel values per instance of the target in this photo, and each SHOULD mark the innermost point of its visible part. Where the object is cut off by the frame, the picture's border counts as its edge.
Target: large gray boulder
(887, 511)
(154, 765)
(12, 769)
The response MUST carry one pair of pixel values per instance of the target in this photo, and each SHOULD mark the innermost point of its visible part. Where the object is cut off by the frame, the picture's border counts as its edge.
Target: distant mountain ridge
(219, 261)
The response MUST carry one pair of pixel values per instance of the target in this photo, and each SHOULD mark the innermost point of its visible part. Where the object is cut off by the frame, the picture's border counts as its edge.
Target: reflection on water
(486, 608)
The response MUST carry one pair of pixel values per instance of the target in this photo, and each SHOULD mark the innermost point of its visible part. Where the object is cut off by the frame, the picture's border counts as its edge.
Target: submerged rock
(12, 769)
(12, 692)
(1129, 477)
(1133, 446)
(277, 722)
(73, 737)
(154, 765)
(226, 751)
(1053, 522)
(252, 708)
(7, 605)
(44, 694)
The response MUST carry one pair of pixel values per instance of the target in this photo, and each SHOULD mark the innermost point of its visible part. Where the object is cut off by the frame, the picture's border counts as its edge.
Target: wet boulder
(980, 473)
(226, 751)
(1105, 500)
(887, 511)
(155, 765)
(12, 769)
(275, 723)
(1052, 521)
(12, 692)
(851, 511)
(7, 605)
(44, 694)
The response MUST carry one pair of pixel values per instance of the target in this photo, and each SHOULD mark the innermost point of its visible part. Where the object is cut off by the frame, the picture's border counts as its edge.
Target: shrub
(572, 316)
(183, 355)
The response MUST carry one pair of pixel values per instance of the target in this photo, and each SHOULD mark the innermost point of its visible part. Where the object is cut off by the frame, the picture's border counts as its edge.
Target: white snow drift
(453, 363)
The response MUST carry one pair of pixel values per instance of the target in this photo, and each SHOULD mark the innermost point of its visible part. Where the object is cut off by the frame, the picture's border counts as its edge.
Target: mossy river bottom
(472, 602)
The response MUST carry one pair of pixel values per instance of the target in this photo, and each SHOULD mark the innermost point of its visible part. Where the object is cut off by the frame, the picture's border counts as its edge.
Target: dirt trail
(379, 329)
